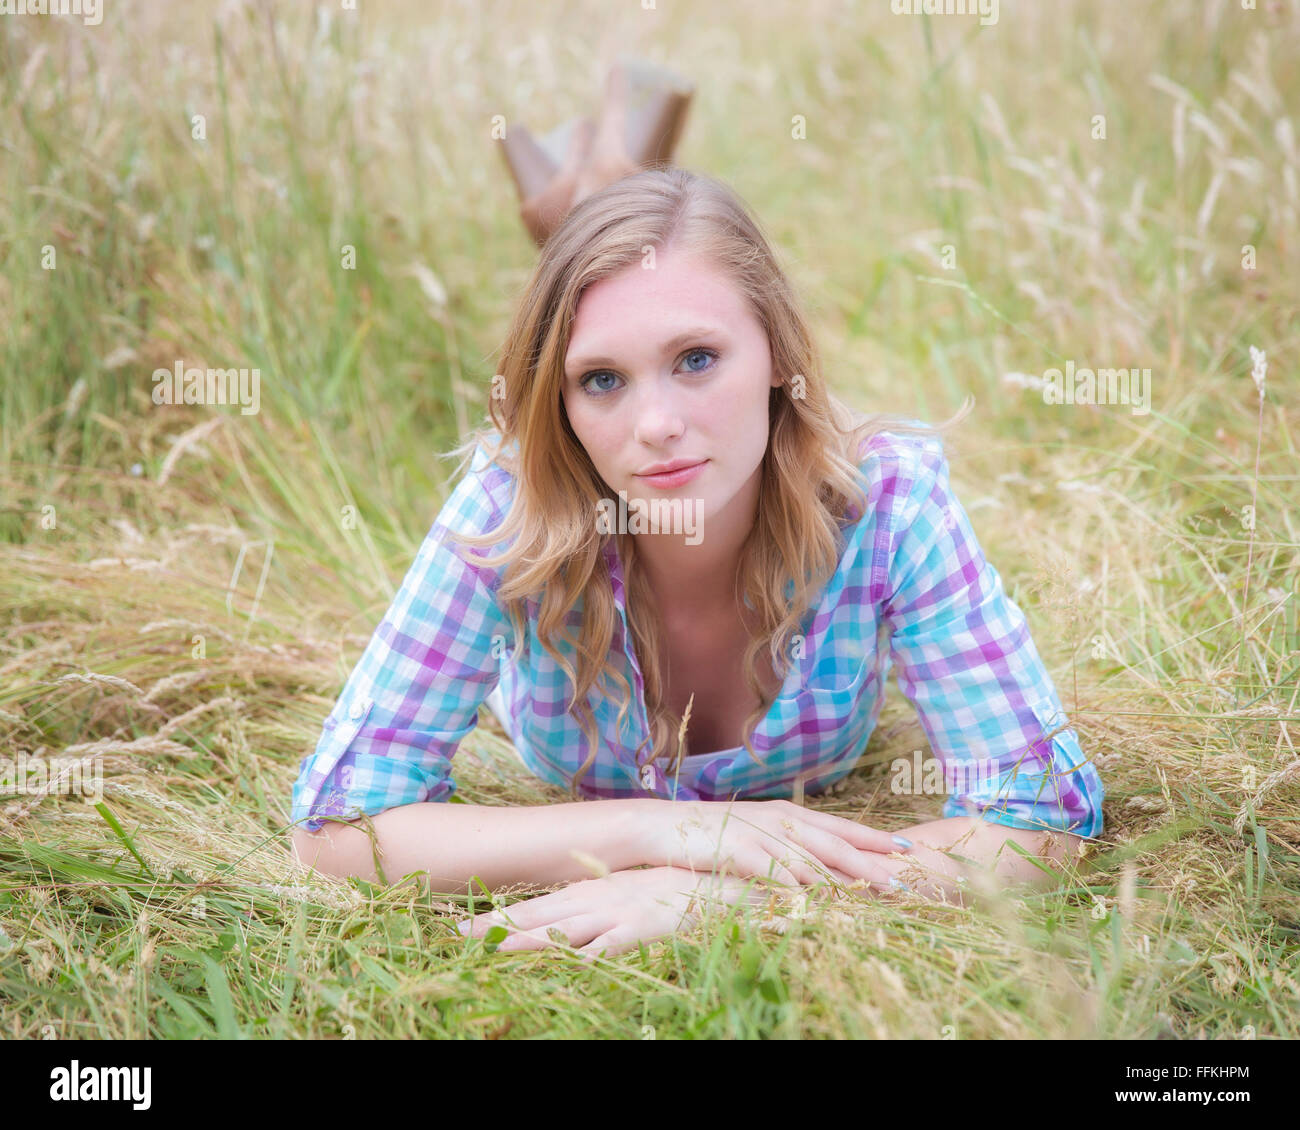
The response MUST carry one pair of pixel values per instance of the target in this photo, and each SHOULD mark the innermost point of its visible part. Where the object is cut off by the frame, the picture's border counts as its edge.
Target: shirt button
(359, 709)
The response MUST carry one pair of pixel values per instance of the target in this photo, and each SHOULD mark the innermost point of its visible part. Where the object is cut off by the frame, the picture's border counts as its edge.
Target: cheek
(596, 431)
(748, 400)
(748, 383)
(579, 421)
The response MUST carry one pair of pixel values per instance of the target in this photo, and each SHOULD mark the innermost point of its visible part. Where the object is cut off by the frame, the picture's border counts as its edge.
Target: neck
(700, 580)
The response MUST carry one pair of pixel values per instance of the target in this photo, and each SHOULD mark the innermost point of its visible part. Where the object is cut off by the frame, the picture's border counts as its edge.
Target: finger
(781, 870)
(528, 913)
(831, 851)
(857, 867)
(885, 881)
(821, 852)
(746, 863)
(806, 868)
(480, 924)
(781, 862)
(570, 931)
(609, 944)
(859, 835)
(841, 877)
(755, 862)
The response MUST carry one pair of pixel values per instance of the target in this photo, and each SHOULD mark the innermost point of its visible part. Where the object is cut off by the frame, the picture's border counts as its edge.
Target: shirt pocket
(836, 678)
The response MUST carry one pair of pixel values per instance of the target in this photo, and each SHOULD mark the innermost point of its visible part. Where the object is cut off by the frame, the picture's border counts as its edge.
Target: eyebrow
(679, 340)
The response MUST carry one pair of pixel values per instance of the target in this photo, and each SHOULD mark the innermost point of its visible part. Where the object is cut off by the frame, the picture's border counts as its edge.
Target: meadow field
(313, 191)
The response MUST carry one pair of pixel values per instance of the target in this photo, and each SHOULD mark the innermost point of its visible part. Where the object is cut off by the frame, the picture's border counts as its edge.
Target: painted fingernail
(462, 926)
(902, 841)
(898, 885)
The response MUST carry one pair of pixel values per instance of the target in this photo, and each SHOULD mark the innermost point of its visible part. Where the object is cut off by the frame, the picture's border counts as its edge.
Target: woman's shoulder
(477, 504)
(482, 494)
(893, 445)
(895, 463)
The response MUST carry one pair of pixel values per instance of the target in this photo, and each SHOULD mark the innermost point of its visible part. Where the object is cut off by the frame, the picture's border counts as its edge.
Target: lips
(664, 468)
(681, 472)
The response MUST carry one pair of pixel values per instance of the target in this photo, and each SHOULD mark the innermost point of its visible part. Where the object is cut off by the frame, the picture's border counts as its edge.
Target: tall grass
(218, 573)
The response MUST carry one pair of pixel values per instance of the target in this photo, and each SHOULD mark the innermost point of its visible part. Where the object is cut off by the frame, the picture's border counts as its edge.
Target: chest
(707, 660)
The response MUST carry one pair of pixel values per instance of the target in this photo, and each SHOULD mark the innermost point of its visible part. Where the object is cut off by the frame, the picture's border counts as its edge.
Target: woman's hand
(605, 916)
(769, 839)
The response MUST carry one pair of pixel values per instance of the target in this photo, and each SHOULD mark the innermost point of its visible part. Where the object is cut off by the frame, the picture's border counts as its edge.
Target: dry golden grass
(185, 589)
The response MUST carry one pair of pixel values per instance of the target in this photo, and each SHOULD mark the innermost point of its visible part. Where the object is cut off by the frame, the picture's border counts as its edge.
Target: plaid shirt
(912, 590)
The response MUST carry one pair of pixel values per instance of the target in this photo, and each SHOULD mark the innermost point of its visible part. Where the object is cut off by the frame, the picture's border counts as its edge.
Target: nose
(657, 418)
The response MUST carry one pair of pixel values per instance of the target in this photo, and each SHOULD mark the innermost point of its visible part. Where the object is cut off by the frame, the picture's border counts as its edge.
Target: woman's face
(669, 364)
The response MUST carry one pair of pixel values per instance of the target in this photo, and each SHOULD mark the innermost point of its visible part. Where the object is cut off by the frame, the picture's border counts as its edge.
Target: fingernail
(898, 885)
(902, 842)
(462, 926)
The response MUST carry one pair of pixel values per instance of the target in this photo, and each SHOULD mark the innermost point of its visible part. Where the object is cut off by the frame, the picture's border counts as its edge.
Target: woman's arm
(535, 845)
(964, 854)
(965, 659)
(613, 913)
(559, 843)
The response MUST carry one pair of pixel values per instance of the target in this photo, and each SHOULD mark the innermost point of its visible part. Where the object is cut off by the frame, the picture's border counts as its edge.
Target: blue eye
(584, 382)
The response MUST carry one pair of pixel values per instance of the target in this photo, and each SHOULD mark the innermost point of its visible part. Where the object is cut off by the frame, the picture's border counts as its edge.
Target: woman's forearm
(935, 867)
(545, 845)
(535, 845)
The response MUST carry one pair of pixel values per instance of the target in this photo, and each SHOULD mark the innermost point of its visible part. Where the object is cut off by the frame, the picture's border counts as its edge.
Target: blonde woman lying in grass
(659, 356)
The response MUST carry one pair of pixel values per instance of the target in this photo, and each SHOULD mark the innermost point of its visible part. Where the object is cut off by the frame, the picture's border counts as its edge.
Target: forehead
(680, 289)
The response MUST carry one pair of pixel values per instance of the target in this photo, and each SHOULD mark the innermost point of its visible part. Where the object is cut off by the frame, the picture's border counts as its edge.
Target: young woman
(658, 363)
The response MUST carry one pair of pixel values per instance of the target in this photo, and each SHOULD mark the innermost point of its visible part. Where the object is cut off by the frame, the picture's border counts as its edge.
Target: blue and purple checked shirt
(912, 590)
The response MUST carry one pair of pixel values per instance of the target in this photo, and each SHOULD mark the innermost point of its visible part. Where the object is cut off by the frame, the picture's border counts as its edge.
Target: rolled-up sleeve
(965, 659)
(415, 692)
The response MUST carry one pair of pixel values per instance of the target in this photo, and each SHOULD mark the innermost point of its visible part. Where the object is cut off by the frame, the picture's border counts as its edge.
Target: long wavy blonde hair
(810, 483)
